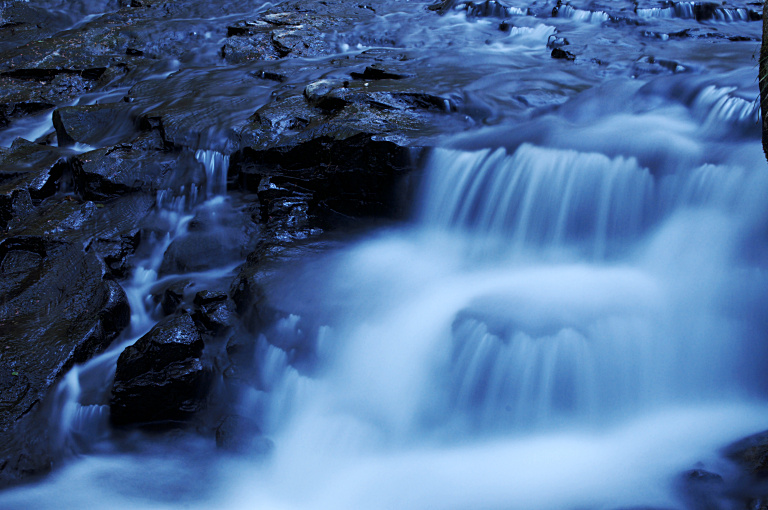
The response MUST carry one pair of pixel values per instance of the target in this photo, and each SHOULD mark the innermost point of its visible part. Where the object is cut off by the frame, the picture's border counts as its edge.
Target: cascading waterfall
(572, 318)
(80, 417)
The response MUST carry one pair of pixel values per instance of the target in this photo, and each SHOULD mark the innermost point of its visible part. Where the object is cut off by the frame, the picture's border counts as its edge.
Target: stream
(571, 316)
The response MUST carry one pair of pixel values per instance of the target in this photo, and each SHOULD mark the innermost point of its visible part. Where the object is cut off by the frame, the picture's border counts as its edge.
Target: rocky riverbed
(163, 162)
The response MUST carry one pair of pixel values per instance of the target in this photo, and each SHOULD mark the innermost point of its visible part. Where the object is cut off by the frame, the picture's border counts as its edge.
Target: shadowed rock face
(161, 378)
(57, 309)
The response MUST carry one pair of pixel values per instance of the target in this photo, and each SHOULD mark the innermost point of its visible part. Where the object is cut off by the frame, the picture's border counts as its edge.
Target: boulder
(57, 310)
(217, 316)
(161, 377)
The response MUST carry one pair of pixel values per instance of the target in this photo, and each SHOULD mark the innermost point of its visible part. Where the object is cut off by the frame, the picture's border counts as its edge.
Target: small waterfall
(694, 10)
(730, 15)
(216, 165)
(561, 199)
(657, 12)
(684, 10)
(720, 109)
(80, 415)
(539, 197)
(568, 11)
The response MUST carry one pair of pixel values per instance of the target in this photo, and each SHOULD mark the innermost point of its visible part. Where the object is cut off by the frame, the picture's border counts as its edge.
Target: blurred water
(573, 316)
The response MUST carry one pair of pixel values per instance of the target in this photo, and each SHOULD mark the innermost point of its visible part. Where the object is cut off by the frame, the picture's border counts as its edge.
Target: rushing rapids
(572, 316)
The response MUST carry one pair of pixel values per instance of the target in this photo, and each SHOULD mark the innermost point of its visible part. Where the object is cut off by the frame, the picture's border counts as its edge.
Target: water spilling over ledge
(396, 255)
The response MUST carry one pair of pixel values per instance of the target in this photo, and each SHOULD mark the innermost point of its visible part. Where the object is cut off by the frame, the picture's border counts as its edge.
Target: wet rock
(28, 168)
(751, 453)
(377, 72)
(207, 297)
(703, 489)
(556, 42)
(116, 249)
(275, 35)
(562, 54)
(172, 297)
(651, 65)
(212, 241)
(70, 219)
(218, 316)
(89, 124)
(247, 28)
(56, 310)
(354, 177)
(327, 95)
(113, 171)
(485, 9)
(23, 22)
(341, 109)
(254, 48)
(161, 377)
(269, 75)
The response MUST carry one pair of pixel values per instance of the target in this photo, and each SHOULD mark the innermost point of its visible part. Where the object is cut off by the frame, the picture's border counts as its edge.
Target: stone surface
(56, 310)
(161, 378)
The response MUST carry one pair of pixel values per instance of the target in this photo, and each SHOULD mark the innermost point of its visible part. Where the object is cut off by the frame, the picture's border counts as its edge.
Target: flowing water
(573, 316)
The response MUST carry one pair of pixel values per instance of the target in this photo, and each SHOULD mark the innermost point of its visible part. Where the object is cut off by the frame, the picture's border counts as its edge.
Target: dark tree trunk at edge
(763, 81)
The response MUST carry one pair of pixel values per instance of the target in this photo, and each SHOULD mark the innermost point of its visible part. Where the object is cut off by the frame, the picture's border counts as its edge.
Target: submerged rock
(161, 377)
(239, 434)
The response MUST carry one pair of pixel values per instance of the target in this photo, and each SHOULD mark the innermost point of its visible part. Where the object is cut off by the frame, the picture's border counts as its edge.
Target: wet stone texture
(57, 309)
(161, 378)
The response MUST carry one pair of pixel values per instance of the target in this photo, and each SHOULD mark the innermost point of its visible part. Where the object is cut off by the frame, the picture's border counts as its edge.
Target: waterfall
(573, 316)
(80, 420)
(539, 197)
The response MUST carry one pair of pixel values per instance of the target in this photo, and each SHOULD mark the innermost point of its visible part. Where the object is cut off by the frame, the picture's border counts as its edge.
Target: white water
(568, 322)
(557, 329)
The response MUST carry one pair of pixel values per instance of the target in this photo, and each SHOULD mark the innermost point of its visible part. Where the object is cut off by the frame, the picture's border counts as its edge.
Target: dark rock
(56, 310)
(269, 75)
(109, 229)
(353, 177)
(704, 10)
(115, 250)
(443, 6)
(206, 297)
(28, 168)
(562, 54)
(161, 378)
(751, 453)
(90, 124)
(485, 9)
(327, 95)
(556, 42)
(375, 72)
(652, 65)
(237, 50)
(172, 297)
(113, 171)
(218, 316)
(702, 489)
